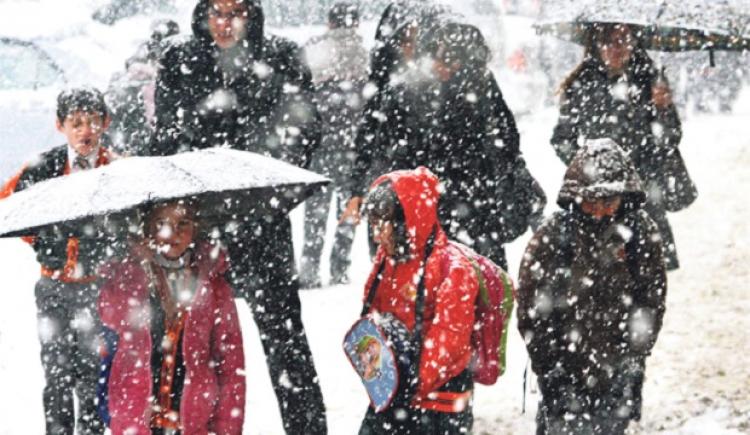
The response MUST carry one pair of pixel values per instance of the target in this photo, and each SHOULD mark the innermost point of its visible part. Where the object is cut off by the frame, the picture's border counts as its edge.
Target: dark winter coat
(70, 259)
(464, 132)
(255, 96)
(213, 397)
(592, 293)
(596, 105)
(269, 111)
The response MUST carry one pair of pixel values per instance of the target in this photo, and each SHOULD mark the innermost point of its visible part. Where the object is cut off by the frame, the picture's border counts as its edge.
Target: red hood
(417, 190)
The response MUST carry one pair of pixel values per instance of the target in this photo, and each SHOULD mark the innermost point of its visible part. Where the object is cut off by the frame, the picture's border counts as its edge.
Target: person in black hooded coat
(460, 127)
(623, 98)
(591, 297)
(232, 85)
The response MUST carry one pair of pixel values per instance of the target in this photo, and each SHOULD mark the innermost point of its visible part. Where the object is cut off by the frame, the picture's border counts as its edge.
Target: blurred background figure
(116, 10)
(130, 94)
(338, 62)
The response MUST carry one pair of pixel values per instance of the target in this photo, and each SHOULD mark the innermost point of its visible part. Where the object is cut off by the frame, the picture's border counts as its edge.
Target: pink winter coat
(213, 396)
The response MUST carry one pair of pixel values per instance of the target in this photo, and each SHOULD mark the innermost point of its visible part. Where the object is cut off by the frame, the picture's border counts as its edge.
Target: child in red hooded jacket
(402, 211)
(174, 342)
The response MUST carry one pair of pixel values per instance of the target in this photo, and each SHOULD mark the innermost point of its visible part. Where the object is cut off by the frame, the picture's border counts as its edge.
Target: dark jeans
(68, 332)
(413, 421)
(264, 274)
(317, 209)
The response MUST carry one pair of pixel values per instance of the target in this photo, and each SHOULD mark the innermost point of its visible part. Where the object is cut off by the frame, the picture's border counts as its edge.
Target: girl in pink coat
(174, 346)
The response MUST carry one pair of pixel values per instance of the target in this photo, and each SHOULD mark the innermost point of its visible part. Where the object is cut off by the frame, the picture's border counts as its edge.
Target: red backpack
(494, 307)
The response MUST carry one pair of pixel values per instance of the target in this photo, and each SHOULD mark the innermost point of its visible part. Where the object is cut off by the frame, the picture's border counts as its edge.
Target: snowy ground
(699, 374)
(698, 377)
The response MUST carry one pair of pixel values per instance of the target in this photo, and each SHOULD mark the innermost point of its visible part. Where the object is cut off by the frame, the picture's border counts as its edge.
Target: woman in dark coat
(616, 93)
(591, 297)
(231, 84)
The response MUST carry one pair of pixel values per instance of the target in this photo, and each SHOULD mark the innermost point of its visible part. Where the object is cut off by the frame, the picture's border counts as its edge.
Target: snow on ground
(698, 378)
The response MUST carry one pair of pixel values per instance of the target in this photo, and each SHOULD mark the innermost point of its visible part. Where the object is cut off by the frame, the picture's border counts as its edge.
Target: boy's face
(172, 227)
(601, 208)
(443, 67)
(227, 21)
(83, 130)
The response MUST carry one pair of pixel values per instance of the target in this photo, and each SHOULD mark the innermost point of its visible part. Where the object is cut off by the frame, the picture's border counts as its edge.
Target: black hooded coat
(592, 293)
(255, 96)
(465, 133)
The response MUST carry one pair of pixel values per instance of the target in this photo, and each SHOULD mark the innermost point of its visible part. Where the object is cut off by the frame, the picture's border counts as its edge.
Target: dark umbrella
(661, 25)
(227, 185)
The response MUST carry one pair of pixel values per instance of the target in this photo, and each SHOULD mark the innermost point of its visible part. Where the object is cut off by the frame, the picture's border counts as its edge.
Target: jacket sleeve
(301, 118)
(565, 134)
(169, 107)
(446, 348)
(649, 300)
(364, 144)
(229, 357)
(538, 280)
(506, 123)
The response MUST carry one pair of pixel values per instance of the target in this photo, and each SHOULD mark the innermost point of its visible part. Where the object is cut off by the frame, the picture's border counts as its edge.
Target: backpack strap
(419, 310)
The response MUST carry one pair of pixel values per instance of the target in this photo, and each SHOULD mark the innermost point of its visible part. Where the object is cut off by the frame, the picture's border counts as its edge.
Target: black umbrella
(661, 25)
(227, 185)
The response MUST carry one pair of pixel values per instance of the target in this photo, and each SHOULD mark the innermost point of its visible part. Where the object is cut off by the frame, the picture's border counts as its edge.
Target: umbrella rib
(197, 180)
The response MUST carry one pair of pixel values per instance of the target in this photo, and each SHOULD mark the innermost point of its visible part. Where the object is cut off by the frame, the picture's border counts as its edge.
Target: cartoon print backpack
(494, 307)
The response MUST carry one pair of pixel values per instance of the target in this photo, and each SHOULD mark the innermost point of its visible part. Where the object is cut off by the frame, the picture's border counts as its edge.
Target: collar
(166, 263)
(92, 158)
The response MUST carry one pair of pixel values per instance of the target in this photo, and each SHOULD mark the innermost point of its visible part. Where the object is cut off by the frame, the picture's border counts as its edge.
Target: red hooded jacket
(213, 396)
(450, 283)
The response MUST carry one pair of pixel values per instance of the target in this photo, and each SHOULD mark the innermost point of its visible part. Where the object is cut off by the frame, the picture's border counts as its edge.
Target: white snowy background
(698, 378)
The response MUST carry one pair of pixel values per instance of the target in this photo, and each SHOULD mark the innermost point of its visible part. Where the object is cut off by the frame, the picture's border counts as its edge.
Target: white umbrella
(662, 25)
(227, 185)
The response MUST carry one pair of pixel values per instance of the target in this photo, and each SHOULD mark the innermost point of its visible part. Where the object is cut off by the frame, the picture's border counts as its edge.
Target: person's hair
(594, 35)
(343, 16)
(382, 204)
(147, 213)
(463, 43)
(88, 100)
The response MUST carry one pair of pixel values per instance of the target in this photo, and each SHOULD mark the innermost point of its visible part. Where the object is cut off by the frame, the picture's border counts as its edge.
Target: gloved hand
(51, 249)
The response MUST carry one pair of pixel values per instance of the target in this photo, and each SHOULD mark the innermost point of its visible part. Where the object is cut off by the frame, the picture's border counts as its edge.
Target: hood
(601, 169)
(417, 191)
(396, 16)
(254, 30)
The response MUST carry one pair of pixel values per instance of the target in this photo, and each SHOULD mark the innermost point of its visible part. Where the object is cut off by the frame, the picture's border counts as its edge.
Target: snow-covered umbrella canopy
(228, 185)
(662, 25)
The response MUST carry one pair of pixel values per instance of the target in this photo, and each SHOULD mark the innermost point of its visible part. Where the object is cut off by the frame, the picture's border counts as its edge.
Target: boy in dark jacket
(67, 290)
(230, 84)
(592, 289)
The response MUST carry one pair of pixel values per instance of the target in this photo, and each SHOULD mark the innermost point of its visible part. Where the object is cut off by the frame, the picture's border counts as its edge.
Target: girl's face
(616, 48)
(382, 234)
(172, 228)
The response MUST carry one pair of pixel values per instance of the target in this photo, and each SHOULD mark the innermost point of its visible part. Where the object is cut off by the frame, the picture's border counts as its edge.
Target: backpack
(494, 308)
